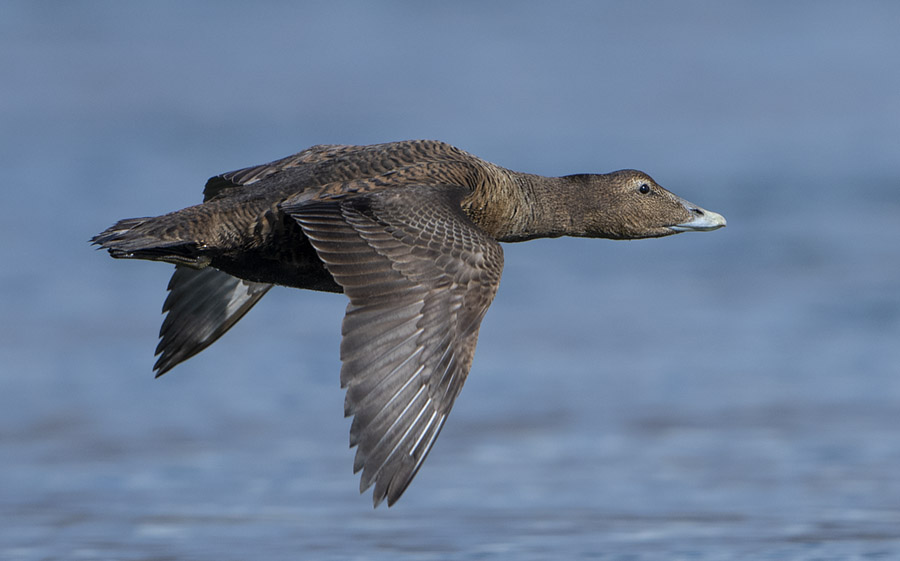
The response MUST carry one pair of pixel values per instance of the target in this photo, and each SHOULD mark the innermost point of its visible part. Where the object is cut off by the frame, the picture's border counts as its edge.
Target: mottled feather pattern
(409, 231)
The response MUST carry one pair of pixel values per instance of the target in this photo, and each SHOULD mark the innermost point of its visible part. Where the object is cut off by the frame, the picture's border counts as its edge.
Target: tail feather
(203, 302)
(144, 238)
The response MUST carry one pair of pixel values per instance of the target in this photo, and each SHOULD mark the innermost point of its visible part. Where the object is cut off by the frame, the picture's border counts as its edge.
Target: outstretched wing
(201, 306)
(420, 277)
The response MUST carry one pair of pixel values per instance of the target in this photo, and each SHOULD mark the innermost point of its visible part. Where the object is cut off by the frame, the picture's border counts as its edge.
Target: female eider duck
(410, 232)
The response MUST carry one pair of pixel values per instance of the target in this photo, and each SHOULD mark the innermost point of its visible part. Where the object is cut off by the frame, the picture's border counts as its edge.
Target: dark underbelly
(288, 262)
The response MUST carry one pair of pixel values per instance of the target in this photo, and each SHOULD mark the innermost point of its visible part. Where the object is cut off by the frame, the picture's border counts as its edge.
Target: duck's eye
(644, 188)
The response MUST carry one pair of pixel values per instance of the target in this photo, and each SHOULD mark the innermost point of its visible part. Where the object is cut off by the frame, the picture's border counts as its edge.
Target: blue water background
(726, 395)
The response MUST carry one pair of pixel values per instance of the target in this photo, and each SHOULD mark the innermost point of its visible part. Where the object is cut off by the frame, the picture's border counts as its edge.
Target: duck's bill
(702, 220)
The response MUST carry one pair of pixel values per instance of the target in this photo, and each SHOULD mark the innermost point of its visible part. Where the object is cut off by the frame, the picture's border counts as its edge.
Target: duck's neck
(526, 206)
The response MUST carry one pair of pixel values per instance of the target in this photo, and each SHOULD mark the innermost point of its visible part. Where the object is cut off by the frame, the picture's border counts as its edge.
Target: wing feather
(420, 277)
(201, 306)
(247, 176)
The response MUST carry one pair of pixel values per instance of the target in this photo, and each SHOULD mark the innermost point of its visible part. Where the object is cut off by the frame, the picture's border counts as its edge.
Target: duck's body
(409, 231)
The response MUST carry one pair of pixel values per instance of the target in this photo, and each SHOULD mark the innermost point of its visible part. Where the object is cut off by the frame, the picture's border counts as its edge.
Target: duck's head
(629, 204)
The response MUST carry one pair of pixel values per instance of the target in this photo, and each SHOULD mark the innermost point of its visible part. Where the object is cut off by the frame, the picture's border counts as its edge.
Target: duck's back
(332, 170)
(240, 227)
(252, 238)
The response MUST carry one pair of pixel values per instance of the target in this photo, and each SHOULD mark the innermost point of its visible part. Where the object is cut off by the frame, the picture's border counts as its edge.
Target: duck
(410, 232)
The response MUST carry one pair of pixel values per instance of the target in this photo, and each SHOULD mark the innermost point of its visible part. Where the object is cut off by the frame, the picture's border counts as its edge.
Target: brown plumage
(409, 231)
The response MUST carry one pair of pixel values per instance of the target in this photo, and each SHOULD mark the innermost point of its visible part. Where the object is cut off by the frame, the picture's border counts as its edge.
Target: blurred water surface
(731, 395)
